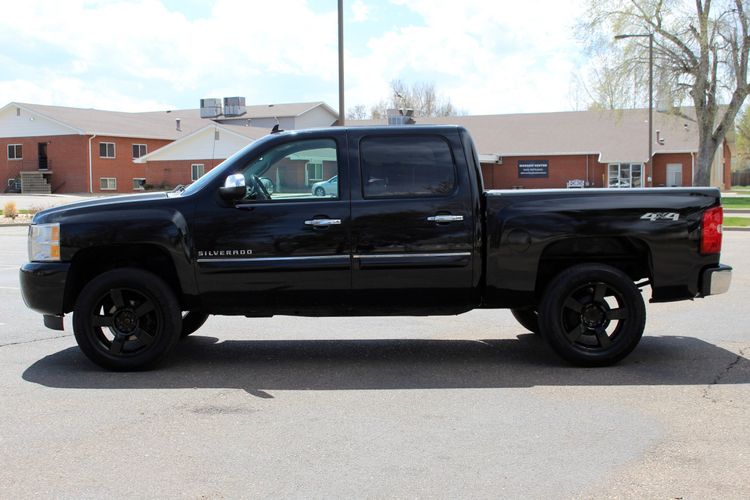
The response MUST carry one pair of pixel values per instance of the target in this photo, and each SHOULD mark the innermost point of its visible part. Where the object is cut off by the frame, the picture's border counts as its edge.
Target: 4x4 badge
(654, 216)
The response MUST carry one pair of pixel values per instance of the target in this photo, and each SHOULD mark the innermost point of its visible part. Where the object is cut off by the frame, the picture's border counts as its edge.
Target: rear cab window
(411, 166)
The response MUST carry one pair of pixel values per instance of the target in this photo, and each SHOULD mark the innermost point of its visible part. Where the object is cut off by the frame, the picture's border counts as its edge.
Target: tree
(358, 112)
(421, 97)
(701, 58)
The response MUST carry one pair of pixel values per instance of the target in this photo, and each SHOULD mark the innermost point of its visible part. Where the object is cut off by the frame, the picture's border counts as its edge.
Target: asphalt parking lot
(440, 407)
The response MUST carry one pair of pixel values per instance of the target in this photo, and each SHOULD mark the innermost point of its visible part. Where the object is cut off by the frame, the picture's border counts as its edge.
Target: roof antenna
(276, 129)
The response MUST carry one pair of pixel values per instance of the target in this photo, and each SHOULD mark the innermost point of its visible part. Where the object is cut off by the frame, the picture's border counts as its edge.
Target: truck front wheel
(126, 319)
(592, 315)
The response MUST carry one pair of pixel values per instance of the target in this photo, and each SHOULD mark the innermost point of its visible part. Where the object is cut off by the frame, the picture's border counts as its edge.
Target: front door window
(299, 170)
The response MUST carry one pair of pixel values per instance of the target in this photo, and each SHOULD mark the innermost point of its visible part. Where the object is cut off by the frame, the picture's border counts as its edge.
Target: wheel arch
(91, 262)
(630, 255)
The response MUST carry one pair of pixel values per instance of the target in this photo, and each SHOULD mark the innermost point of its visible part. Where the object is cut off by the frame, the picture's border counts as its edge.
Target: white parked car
(326, 188)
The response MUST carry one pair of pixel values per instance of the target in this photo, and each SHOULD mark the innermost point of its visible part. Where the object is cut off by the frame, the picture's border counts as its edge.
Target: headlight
(44, 242)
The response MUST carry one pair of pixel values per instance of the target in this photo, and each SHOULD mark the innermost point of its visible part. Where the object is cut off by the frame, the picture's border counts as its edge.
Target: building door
(674, 174)
(42, 149)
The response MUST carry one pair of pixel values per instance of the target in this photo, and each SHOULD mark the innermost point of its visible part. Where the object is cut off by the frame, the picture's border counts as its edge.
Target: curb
(16, 224)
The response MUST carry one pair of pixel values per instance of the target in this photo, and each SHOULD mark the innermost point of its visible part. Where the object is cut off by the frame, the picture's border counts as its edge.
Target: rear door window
(406, 166)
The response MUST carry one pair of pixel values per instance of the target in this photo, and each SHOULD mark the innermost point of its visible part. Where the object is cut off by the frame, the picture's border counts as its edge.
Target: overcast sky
(493, 56)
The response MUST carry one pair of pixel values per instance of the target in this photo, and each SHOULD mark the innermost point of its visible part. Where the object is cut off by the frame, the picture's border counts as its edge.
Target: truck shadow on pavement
(260, 366)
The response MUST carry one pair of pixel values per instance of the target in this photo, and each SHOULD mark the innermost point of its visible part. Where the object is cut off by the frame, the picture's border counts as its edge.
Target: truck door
(285, 247)
(412, 219)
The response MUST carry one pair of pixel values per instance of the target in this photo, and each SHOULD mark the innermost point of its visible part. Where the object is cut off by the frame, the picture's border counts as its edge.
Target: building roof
(153, 124)
(150, 125)
(292, 109)
(614, 135)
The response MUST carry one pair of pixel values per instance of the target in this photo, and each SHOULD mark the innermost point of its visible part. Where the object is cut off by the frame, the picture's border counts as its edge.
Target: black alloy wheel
(319, 191)
(592, 315)
(126, 319)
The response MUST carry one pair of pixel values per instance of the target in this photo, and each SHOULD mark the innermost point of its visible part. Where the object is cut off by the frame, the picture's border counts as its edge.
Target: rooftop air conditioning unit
(234, 106)
(400, 116)
(210, 108)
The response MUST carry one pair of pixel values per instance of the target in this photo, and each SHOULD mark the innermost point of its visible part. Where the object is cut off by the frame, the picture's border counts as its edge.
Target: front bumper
(716, 280)
(43, 286)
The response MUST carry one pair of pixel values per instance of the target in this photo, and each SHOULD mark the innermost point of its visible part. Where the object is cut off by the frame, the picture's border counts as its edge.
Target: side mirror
(234, 188)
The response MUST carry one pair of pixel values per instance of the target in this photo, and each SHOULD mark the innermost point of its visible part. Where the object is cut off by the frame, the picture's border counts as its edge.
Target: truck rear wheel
(528, 317)
(592, 315)
(126, 319)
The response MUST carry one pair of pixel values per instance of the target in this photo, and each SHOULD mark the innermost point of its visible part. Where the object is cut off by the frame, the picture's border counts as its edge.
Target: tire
(592, 315)
(528, 317)
(127, 319)
(319, 191)
(191, 321)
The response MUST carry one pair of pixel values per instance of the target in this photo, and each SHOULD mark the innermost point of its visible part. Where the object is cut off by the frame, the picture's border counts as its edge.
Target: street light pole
(650, 37)
(341, 63)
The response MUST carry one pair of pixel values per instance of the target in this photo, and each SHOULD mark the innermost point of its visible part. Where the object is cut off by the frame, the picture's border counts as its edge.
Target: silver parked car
(326, 188)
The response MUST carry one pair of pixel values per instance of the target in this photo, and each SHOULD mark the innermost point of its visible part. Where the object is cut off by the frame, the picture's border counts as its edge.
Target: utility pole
(650, 37)
(342, 110)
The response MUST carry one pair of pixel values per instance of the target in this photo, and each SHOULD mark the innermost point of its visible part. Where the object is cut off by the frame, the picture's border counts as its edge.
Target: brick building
(85, 150)
(74, 150)
(605, 148)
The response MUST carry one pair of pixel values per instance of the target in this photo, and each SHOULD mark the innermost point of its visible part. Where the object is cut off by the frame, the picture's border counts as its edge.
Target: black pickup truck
(369, 221)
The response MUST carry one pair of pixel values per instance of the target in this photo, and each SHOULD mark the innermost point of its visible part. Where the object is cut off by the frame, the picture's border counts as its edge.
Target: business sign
(530, 169)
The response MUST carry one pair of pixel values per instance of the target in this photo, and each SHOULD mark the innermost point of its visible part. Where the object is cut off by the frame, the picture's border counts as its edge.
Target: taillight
(711, 229)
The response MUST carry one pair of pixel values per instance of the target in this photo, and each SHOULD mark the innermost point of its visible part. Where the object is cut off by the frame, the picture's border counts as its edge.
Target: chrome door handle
(445, 218)
(322, 222)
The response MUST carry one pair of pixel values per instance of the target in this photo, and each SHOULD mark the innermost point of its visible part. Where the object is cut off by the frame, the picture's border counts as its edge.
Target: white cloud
(142, 41)
(488, 57)
(360, 10)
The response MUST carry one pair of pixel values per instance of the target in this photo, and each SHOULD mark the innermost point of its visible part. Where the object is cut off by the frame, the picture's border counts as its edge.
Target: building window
(625, 175)
(313, 173)
(15, 152)
(196, 171)
(107, 183)
(139, 184)
(106, 150)
(139, 150)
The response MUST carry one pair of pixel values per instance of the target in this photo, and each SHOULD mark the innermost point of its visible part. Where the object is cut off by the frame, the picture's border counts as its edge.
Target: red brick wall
(68, 161)
(67, 157)
(660, 168)
(561, 170)
(564, 168)
(122, 166)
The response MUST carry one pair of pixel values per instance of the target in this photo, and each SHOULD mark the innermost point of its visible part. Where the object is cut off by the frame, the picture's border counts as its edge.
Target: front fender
(165, 228)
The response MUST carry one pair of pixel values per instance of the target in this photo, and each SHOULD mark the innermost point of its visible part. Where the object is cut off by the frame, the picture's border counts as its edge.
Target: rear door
(412, 219)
